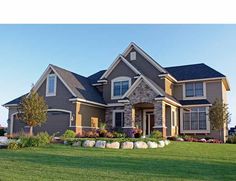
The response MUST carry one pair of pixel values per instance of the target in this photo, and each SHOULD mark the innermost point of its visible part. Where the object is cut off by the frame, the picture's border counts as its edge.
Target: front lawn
(178, 161)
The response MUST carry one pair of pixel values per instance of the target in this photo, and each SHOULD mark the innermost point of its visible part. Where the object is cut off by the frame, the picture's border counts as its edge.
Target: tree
(219, 115)
(33, 110)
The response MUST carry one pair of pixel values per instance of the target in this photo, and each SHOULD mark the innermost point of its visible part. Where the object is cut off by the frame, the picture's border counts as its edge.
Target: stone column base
(162, 130)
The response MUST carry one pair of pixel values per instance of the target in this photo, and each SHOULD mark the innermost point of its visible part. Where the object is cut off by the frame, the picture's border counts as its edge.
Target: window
(120, 86)
(194, 89)
(195, 119)
(118, 118)
(94, 122)
(133, 56)
(51, 85)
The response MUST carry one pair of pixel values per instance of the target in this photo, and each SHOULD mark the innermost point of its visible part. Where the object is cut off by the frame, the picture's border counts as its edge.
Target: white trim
(147, 57)
(113, 116)
(167, 76)
(115, 63)
(194, 97)
(123, 101)
(55, 85)
(137, 82)
(159, 127)
(199, 80)
(86, 127)
(86, 101)
(44, 76)
(119, 79)
(145, 121)
(115, 105)
(12, 122)
(182, 131)
(10, 105)
(128, 127)
(197, 105)
(167, 99)
(102, 81)
(96, 84)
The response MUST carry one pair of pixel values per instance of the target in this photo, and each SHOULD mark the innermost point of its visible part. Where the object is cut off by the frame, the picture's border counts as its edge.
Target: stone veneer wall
(109, 114)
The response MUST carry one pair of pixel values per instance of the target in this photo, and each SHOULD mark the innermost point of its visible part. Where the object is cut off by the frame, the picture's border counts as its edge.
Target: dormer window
(120, 86)
(51, 85)
(194, 89)
(132, 55)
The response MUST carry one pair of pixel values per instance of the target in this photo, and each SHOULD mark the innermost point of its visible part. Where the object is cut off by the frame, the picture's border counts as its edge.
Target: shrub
(232, 139)
(137, 132)
(156, 134)
(118, 135)
(69, 134)
(2, 132)
(109, 135)
(91, 134)
(44, 138)
(13, 145)
(29, 141)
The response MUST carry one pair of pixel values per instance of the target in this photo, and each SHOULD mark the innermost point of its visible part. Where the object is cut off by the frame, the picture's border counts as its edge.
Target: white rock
(114, 145)
(77, 144)
(203, 140)
(167, 142)
(152, 144)
(140, 145)
(88, 144)
(179, 139)
(161, 144)
(100, 144)
(127, 145)
(3, 140)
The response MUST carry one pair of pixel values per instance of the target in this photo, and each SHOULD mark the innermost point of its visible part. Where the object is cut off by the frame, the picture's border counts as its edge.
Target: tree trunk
(31, 131)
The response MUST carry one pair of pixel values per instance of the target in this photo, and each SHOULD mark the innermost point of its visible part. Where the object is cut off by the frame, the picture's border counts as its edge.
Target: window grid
(194, 89)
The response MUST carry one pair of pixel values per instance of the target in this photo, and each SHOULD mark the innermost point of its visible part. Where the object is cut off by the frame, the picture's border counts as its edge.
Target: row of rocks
(124, 145)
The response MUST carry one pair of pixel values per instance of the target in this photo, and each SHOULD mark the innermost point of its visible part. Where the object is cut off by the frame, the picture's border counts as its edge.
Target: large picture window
(195, 119)
(120, 86)
(194, 89)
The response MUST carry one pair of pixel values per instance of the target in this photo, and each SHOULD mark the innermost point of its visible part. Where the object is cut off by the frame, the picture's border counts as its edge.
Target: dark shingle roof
(16, 101)
(194, 102)
(95, 77)
(195, 71)
(80, 85)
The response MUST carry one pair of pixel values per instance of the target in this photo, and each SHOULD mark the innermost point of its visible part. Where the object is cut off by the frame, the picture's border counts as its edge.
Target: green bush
(2, 132)
(118, 135)
(69, 134)
(232, 139)
(156, 134)
(29, 141)
(13, 145)
(44, 138)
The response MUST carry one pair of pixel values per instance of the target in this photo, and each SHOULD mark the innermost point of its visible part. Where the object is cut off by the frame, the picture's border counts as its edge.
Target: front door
(148, 122)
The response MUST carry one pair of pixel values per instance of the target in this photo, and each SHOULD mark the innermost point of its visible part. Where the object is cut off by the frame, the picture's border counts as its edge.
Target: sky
(26, 51)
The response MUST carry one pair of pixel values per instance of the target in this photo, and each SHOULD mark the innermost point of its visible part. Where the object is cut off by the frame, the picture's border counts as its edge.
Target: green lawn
(178, 161)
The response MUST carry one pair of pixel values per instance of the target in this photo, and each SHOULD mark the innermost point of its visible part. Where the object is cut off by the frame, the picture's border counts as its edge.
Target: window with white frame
(118, 119)
(195, 119)
(51, 85)
(132, 55)
(120, 86)
(194, 89)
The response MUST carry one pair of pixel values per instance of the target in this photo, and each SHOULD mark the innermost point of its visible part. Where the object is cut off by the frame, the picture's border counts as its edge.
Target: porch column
(129, 119)
(160, 117)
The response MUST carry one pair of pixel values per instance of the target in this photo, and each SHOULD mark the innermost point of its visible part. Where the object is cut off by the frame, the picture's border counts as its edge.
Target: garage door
(57, 122)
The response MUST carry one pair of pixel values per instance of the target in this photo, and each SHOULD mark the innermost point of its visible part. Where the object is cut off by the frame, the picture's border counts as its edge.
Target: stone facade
(109, 114)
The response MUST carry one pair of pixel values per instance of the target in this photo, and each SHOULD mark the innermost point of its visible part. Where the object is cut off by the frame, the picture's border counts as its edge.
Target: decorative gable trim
(145, 55)
(44, 77)
(115, 63)
(137, 82)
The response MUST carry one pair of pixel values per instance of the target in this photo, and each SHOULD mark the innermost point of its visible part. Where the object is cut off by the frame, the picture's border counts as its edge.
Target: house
(134, 91)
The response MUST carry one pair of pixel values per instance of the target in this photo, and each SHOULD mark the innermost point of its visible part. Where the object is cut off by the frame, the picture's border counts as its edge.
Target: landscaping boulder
(179, 139)
(100, 144)
(167, 142)
(203, 140)
(140, 145)
(152, 144)
(77, 144)
(88, 144)
(3, 140)
(127, 145)
(114, 145)
(161, 144)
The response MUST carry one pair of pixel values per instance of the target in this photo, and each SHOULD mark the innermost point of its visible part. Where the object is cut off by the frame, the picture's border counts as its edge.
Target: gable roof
(194, 71)
(15, 102)
(95, 77)
(115, 63)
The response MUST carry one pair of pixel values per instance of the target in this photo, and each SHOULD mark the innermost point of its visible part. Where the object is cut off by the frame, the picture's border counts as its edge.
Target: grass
(178, 161)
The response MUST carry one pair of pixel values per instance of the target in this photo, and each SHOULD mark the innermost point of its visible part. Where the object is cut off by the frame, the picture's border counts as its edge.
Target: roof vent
(133, 56)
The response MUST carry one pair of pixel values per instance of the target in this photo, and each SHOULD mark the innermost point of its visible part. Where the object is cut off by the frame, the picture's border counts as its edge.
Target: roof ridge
(186, 65)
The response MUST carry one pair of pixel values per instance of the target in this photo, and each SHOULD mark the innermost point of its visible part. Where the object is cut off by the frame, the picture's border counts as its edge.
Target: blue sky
(26, 51)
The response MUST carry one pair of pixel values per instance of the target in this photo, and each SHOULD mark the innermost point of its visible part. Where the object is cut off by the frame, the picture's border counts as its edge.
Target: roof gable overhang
(44, 77)
(115, 63)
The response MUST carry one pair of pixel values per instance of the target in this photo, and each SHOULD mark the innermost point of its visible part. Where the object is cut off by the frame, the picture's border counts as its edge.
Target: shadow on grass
(139, 165)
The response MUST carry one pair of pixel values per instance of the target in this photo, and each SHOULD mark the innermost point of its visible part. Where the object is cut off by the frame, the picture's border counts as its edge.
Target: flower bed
(195, 139)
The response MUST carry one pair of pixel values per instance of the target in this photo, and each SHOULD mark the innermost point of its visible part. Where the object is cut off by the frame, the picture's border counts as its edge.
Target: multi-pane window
(194, 89)
(195, 119)
(51, 85)
(120, 88)
(118, 121)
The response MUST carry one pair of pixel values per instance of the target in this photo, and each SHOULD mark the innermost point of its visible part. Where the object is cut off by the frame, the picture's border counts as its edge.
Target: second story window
(120, 86)
(51, 85)
(194, 89)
